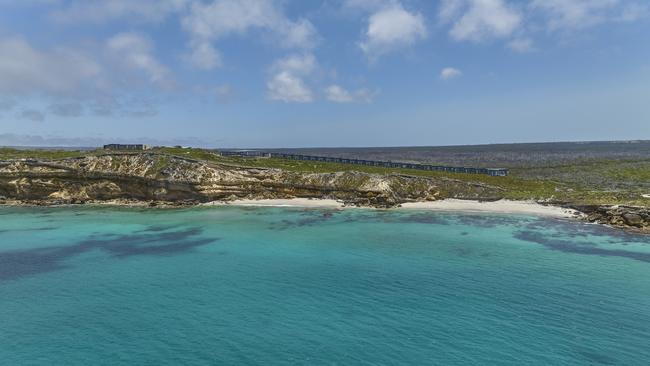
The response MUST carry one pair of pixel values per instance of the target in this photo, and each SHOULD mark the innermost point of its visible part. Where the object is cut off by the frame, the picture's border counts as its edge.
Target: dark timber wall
(386, 164)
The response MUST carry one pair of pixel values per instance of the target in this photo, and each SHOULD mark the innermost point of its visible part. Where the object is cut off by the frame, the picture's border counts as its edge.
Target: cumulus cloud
(287, 79)
(392, 27)
(26, 70)
(574, 14)
(479, 20)
(135, 52)
(521, 45)
(338, 94)
(450, 73)
(88, 77)
(209, 22)
(519, 21)
(365, 5)
(204, 55)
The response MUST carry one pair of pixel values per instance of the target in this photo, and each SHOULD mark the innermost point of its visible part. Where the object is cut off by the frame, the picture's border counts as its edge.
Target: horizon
(346, 73)
(332, 147)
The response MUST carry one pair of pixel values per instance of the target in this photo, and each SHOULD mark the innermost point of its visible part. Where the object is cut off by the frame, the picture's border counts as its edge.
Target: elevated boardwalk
(495, 172)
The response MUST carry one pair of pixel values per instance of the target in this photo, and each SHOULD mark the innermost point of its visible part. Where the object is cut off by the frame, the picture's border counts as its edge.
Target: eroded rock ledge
(172, 180)
(619, 216)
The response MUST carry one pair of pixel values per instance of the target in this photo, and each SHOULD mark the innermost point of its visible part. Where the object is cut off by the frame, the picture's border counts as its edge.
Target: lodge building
(495, 172)
(139, 147)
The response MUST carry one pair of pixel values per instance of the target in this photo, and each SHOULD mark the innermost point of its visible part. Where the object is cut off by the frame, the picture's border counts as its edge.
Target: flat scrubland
(578, 173)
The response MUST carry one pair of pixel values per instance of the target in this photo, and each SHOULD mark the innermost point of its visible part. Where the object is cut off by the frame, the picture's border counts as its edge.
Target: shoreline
(620, 217)
(446, 205)
(500, 206)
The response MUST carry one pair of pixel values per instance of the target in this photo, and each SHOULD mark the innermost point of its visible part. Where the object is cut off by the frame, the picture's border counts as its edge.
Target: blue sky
(263, 73)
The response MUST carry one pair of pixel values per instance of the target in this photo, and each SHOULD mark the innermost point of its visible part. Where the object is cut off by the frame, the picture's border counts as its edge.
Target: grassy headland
(583, 181)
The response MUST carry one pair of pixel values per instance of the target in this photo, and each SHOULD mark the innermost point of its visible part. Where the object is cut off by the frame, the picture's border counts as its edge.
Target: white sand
(293, 202)
(501, 206)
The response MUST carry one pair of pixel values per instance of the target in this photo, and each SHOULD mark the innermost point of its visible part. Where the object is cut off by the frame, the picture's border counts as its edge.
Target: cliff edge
(160, 178)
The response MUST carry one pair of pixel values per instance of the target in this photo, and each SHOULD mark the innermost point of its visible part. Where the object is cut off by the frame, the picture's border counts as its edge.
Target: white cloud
(287, 87)
(391, 28)
(135, 52)
(286, 82)
(299, 34)
(101, 11)
(366, 5)
(479, 20)
(335, 93)
(209, 22)
(26, 70)
(104, 80)
(338, 94)
(574, 14)
(297, 64)
(204, 55)
(521, 45)
(450, 73)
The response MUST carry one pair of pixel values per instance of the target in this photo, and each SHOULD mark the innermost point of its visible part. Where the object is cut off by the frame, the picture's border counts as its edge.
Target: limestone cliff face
(163, 178)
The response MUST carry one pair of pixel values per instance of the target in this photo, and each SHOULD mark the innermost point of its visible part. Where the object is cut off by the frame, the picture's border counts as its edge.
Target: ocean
(298, 286)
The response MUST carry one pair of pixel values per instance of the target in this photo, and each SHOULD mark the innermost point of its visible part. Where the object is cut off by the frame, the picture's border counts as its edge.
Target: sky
(316, 73)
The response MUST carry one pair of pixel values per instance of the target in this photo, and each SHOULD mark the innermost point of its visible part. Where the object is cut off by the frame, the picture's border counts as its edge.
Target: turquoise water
(274, 286)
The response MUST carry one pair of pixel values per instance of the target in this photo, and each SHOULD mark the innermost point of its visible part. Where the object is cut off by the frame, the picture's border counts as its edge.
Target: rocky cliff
(158, 178)
(634, 217)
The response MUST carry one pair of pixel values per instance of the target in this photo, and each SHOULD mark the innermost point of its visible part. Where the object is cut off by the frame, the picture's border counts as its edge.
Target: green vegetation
(190, 153)
(582, 182)
(161, 163)
(9, 153)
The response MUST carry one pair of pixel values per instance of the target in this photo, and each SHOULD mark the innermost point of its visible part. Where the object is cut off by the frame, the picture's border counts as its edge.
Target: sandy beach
(501, 206)
(293, 202)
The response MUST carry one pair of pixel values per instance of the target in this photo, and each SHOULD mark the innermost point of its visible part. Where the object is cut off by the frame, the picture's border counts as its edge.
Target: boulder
(633, 219)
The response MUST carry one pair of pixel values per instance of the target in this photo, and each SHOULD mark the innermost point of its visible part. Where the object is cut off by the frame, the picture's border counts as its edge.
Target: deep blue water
(280, 286)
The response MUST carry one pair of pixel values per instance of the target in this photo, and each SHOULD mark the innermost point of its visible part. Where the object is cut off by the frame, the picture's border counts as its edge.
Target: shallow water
(229, 285)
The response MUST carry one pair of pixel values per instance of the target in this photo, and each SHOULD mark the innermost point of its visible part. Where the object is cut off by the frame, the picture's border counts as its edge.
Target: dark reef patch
(426, 218)
(138, 244)
(486, 221)
(306, 218)
(596, 358)
(156, 228)
(561, 228)
(565, 246)
(47, 228)
(20, 263)
(462, 252)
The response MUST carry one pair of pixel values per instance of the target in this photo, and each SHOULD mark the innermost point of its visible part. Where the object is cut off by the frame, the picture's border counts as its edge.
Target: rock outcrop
(618, 215)
(158, 178)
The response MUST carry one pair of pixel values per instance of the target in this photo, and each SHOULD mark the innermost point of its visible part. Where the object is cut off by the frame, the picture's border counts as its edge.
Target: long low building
(495, 172)
(126, 147)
